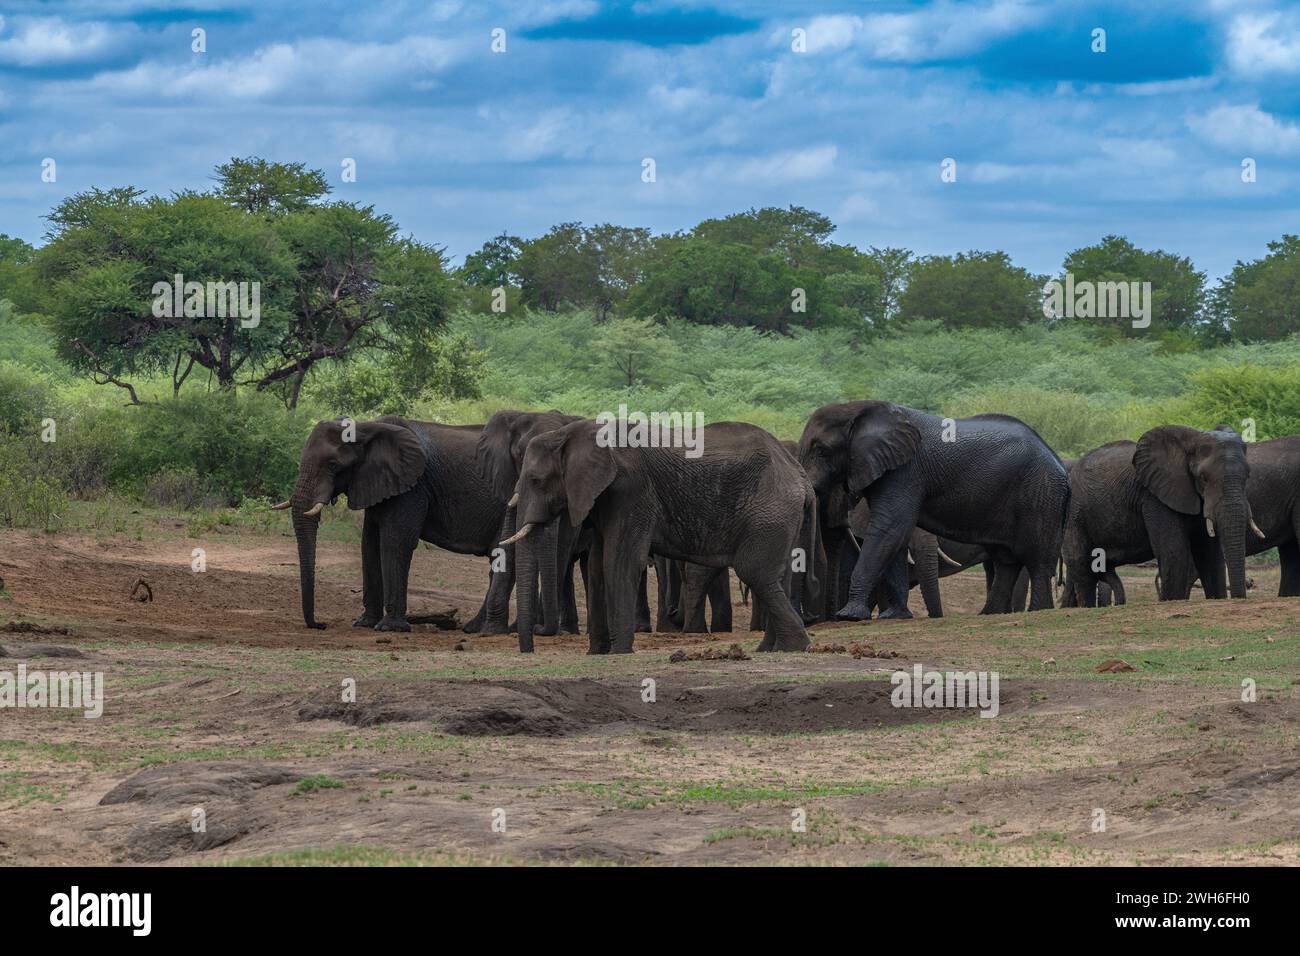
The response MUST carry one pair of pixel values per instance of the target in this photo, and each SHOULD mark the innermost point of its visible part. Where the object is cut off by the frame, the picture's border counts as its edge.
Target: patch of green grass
(319, 781)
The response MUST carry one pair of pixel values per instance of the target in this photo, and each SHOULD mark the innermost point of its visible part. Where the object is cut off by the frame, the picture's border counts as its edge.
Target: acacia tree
(333, 278)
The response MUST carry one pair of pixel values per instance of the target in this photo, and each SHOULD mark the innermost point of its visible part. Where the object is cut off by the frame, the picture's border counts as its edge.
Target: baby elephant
(741, 501)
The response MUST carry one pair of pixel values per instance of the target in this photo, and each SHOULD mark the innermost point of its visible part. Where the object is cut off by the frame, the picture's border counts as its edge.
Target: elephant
(989, 480)
(1178, 494)
(1273, 489)
(416, 481)
(500, 454)
(742, 502)
(683, 590)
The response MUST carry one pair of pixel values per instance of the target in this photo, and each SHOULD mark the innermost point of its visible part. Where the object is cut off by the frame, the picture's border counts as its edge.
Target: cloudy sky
(1055, 145)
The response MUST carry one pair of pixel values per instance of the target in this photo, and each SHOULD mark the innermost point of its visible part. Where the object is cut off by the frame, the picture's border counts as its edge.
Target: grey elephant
(1273, 489)
(743, 502)
(1178, 494)
(683, 590)
(989, 480)
(416, 481)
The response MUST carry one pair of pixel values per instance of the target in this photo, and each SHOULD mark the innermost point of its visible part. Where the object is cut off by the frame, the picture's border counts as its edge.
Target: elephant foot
(597, 646)
(316, 625)
(393, 624)
(792, 642)
(854, 611)
(494, 627)
(366, 620)
(571, 629)
(643, 627)
(545, 631)
(893, 613)
(766, 645)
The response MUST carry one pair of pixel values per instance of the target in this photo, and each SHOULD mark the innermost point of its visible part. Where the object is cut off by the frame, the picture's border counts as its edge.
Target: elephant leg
(1020, 591)
(597, 616)
(643, 603)
(990, 574)
(665, 577)
(892, 518)
(1004, 583)
(695, 581)
(623, 567)
(1168, 536)
(894, 588)
(569, 602)
(397, 547)
(784, 630)
(475, 623)
(1208, 560)
(925, 551)
(720, 602)
(1288, 553)
(496, 619)
(1116, 588)
(372, 576)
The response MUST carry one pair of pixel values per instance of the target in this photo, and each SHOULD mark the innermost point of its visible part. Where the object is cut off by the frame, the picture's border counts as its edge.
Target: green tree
(971, 290)
(255, 185)
(332, 279)
(1177, 289)
(1259, 300)
(634, 346)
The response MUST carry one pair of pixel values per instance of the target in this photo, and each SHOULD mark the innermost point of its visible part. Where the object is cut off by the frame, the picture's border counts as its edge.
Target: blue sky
(1055, 145)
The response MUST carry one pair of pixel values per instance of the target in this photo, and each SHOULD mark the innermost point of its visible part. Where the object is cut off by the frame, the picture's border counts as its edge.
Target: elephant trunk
(527, 565)
(1232, 524)
(548, 566)
(306, 522)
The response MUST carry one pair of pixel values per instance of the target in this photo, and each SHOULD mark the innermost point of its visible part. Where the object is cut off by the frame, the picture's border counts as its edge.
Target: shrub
(28, 499)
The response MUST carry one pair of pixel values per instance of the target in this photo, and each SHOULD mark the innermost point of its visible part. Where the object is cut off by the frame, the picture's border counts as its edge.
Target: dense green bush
(1270, 397)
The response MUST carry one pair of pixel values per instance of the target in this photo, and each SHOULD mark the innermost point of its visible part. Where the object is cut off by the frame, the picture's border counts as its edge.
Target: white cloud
(1246, 127)
(321, 68)
(50, 41)
(1260, 43)
(799, 164)
(935, 32)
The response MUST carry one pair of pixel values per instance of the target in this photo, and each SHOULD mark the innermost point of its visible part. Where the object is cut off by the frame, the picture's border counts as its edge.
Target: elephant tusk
(1209, 527)
(1255, 528)
(514, 500)
(518, 535)
(314, 510)
(281, 506)
(955, 564)
(910, 560)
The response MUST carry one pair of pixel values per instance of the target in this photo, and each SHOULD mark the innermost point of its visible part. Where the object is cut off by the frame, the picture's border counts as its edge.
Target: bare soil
(221, 707)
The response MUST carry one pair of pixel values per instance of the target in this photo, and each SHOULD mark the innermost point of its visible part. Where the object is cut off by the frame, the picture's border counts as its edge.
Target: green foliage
(1268, 396)
(427, 369)
(254, 185)
(242, 445)
(972, 290)
(1259, 301)
(27, 397)
(1177, 289)
(29, 498)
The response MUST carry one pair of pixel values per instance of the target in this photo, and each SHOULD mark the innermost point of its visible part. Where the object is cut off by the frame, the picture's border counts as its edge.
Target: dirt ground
(221, 708)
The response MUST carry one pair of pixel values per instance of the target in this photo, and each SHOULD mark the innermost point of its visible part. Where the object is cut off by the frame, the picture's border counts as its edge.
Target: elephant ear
(392, 462)
(882, 440)
(1160, 461)
(589, 468)
(495, 454)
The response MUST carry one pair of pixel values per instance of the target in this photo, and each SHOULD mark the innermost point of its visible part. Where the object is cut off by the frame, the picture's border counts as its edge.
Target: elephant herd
(874, 499)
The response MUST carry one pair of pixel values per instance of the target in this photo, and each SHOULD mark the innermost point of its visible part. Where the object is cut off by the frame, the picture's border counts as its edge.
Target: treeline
(774, 269)
(348, 302)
